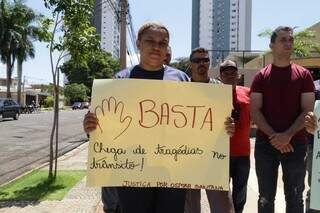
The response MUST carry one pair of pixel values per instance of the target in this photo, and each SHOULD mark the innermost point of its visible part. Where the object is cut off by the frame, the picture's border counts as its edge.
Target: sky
(176, 15)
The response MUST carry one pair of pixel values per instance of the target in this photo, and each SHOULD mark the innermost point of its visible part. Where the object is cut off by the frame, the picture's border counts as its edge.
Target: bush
(48, 102)
(76, 92)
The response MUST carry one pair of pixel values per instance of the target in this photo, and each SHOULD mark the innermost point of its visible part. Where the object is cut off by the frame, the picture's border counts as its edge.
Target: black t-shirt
(139, 72)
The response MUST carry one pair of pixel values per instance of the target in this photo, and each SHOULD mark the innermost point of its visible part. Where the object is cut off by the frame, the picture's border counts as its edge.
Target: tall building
(221, 26)
(106, 22)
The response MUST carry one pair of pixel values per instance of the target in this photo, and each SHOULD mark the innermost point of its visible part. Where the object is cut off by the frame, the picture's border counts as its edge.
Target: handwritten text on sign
(159, 134)
(315, 180)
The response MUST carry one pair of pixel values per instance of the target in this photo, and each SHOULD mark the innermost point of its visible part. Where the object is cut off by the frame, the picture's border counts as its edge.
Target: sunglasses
(199, 60)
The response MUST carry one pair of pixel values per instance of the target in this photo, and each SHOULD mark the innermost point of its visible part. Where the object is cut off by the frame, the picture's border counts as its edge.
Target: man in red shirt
(281, 95)
(239, 142)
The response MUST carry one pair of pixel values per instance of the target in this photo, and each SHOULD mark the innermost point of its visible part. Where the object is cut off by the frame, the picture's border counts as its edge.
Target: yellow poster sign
(155, 133)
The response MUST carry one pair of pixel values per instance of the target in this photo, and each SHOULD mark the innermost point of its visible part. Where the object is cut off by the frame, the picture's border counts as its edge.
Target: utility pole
(123, 32)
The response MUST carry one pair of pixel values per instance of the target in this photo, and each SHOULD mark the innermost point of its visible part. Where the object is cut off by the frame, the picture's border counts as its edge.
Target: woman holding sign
(152, 42)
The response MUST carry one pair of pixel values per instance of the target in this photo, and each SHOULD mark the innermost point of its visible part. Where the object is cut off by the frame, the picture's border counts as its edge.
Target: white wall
(245, 24)
(205, 25)
(109, 30)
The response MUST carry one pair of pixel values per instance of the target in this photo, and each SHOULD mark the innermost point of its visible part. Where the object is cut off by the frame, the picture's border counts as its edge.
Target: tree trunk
(50, 175)
(57, 124)
(19, 72)
(51, 154)
(9, 74)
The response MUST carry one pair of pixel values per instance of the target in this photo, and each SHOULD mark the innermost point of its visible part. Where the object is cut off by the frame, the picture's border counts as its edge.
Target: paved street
(25, 143)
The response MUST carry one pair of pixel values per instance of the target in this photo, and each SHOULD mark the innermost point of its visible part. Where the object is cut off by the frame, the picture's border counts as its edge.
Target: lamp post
(123, 33)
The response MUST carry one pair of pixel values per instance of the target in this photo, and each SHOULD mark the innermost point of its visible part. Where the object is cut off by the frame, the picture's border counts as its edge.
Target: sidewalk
(80, 199)
(87, 200)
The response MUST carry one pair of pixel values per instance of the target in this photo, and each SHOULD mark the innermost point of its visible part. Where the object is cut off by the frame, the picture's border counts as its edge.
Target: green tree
(182, 64)
(19, 29)
(9, 38)
(76, 92)
(48, 102)
(72, 35)
(31, 30)
(304, 43)
(100, 65)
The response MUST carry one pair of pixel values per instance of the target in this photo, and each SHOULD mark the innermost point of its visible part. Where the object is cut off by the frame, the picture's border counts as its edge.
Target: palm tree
(29, 33)
(25, 50)
(18, 32)
(9, 37)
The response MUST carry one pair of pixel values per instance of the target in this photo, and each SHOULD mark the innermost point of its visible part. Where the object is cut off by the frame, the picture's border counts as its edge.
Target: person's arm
(280, 140)
(90, 122)
(310, 123)
(256, 114)
(307, 103)
(230, 126)
(258, 118)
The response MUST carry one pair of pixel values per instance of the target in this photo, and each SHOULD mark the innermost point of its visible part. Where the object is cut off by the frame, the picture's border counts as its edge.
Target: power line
(115, 10)
(112, 7)
(129, 54)
(131, 31)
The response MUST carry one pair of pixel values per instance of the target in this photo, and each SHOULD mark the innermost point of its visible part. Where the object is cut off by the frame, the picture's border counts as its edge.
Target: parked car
(85, 105)
(77, 105)
(9, 109)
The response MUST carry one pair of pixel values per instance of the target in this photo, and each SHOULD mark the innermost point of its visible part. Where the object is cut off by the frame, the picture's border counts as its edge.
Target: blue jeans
(293, 166)
(239, 173)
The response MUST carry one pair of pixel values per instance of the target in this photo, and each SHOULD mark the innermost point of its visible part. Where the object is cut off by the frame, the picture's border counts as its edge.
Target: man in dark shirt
(281, 95)
(219, 201)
